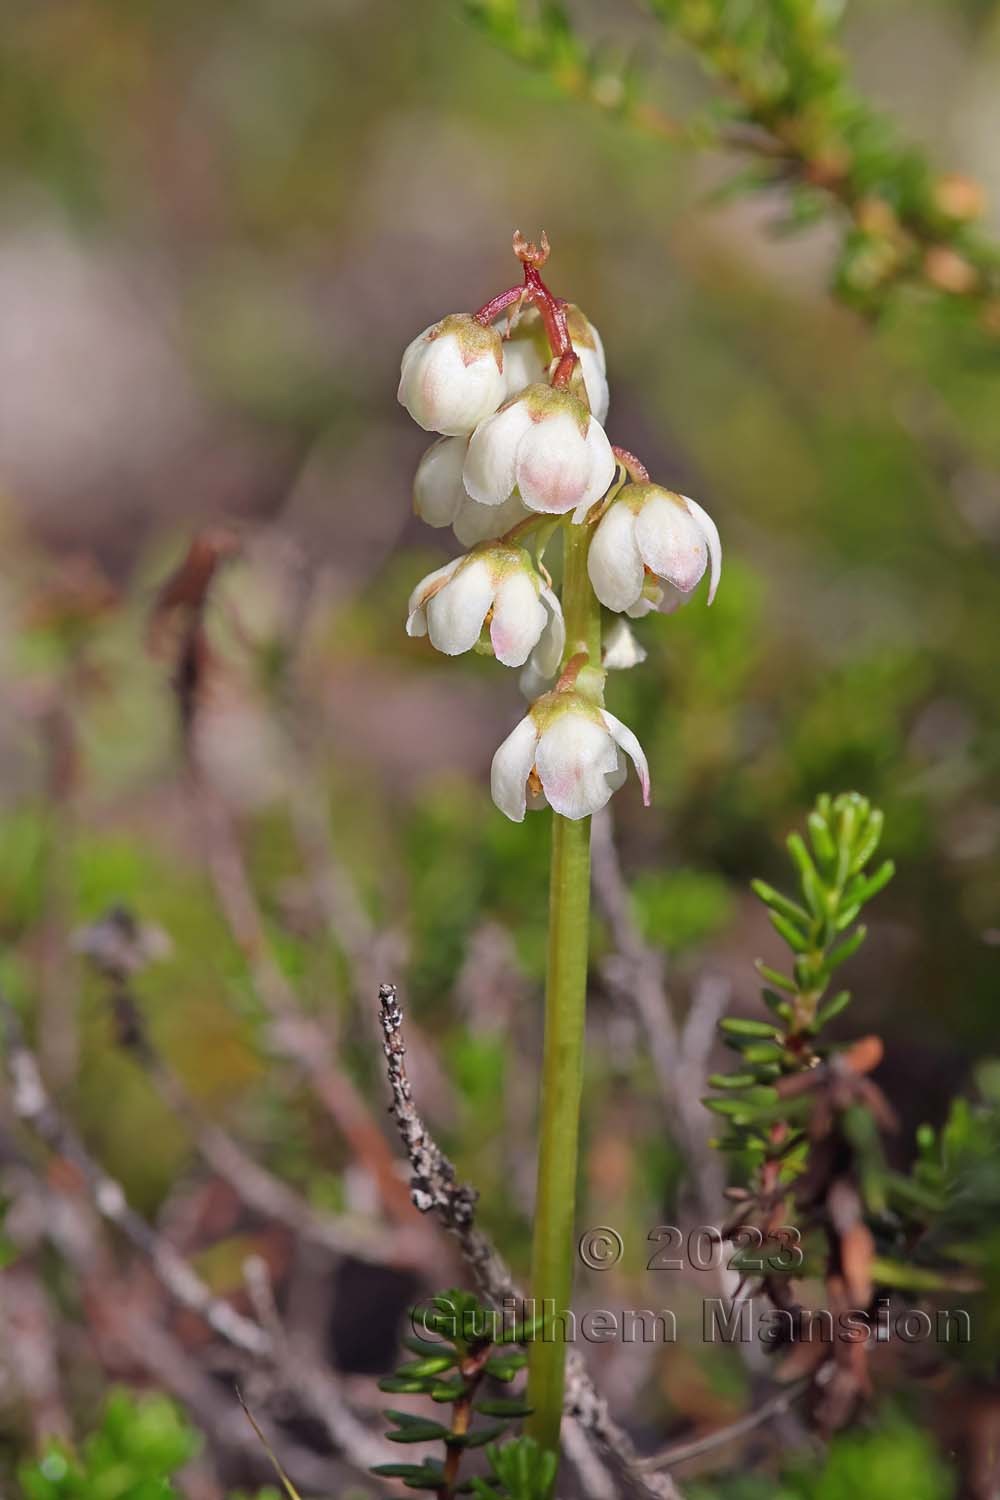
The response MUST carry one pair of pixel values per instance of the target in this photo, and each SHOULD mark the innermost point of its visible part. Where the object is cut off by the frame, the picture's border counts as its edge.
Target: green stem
(562, 1062)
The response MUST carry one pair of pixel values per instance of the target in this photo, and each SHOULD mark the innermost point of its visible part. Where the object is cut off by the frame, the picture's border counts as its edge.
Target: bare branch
(294, 1032)
(34, 1108)
(30, 1350)
(640, 977)
(257, 1187)
(679, 1453)
(117, 1320)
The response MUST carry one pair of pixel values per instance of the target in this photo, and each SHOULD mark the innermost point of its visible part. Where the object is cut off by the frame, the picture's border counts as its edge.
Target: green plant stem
(562, 1062)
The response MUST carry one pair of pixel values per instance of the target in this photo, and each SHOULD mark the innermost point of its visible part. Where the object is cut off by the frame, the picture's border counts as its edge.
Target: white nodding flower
(527, 358)
(648, 534)
(545, 443)
(620, 649)
(441, 499)
(451, 375)
(491, 599)
(566, 753)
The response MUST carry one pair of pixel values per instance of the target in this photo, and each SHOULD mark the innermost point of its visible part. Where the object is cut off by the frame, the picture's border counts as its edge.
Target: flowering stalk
(562, 1062)
(522, 453)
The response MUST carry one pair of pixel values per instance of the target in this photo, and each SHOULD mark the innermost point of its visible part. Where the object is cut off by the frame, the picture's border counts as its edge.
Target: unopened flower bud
(441, 499)
(545, 443)
(492, 598)
(451, 376)
(650, 533)
(567, 753)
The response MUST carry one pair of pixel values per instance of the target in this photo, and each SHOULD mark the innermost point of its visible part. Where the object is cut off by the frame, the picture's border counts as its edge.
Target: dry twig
(435, 1189)
(679, 1058)
(35, 1109)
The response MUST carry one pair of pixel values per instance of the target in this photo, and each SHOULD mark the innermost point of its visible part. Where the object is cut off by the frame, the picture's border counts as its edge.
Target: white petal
(618, 777)
(511, 768)
(602, 460)
(598, 346)
(519, 617)
(533, 682)
(596, 382)
(416, 614)
(481, 523)
(574, 758)
(438, 491)
(624, 737)
(554, 465)
(489, 465)
(444, 394)
(412, 348)
(546, 659)
(455, 615)
(671, 542)
(553, 640)
(713, 542)
(614, 562)
(522, 364)
(621, 650)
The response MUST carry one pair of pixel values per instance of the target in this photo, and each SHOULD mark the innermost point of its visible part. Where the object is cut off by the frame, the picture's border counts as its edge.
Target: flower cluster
(518, 394)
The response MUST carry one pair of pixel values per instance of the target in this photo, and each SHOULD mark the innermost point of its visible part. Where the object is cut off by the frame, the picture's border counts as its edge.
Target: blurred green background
(219, 226)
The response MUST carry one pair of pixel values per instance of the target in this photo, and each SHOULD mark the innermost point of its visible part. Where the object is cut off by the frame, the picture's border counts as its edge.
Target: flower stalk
(562, 1062)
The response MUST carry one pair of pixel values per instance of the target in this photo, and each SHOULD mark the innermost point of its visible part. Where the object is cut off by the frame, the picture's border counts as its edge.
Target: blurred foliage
(306, 186)
(791, 107)
(896, 1458)
(132, 1455)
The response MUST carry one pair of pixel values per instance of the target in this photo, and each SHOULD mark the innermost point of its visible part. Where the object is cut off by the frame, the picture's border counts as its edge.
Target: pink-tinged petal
(455, 614)
(553, 465)
(438, 491)
(511, 768)
(442, 391)
(519, 618)
(624, 737)
(671, 542)
(574, 758)
(712, 541)
(482, 523)
(416, 614)
(614, 562)
(412, 348)
(488, 474)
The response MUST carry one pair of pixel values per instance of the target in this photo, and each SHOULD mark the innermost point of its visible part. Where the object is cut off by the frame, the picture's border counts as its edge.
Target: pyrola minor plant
(518, 392)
